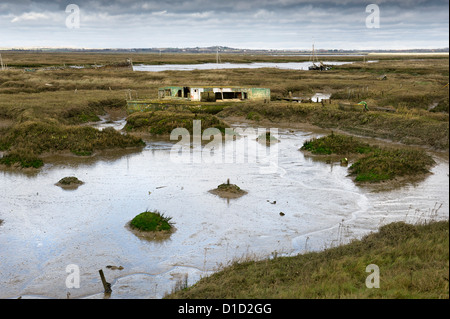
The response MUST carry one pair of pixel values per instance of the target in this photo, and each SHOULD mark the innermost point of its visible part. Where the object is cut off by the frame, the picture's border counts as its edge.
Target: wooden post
(106, 285)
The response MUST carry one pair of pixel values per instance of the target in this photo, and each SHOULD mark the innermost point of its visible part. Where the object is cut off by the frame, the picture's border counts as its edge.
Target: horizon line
(441, 49)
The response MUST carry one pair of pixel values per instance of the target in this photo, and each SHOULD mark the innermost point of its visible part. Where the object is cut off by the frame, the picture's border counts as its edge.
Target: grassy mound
(22, 158)
(374, 164)
(232, 188)
(69, 182)
(413, 263)
(26, 141)
(383, 165)
(336, 144)
(227, 190)
(164, 122)
(151, 221)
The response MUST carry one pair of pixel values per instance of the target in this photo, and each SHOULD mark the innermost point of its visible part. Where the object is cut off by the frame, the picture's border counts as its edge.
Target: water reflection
(214, 66)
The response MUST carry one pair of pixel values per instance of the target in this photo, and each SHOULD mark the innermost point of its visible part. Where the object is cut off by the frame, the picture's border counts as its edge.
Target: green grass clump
(336, 144)
(383, 165)
(69, 180)
(164, 122)
(23, 158)
(89, 117)
(413, 263)
(38, 137)
(151, 221)
(25, 142)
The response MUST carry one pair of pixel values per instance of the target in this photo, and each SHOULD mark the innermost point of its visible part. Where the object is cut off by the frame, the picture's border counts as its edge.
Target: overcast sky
(264, 24)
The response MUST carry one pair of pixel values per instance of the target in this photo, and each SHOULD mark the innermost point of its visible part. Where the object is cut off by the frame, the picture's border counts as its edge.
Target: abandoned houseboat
(213, 93)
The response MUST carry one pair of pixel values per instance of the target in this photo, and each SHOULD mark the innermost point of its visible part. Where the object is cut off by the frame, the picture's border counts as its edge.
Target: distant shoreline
(228, 50)
(409, 53)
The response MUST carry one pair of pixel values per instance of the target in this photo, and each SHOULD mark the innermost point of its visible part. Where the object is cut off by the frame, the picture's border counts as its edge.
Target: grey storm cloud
(140, 7)
(242, 23)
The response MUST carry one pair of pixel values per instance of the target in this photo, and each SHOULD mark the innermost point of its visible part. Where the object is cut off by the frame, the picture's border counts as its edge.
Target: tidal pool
(213, 66)
(47, 230)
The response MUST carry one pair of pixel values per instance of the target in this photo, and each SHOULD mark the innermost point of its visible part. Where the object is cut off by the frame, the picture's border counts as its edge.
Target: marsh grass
(23, 158)
(387, 164)
(46, 108)
(164, 122)
(336, 144)
(118, 59)
(26, 141)
(180, 284)
(43, 137)
(152, 221)
(413, 262)
(56, 100)
(409, 126)
(374, 164)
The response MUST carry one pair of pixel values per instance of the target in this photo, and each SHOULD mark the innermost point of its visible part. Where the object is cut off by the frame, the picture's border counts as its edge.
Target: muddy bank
(157, 236)
(228, 191)
(430, 130)
(69, 183)
(27, 143)
(165, 122)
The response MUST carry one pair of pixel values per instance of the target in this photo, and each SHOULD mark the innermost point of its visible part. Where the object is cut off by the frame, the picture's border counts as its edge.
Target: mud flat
(314, 196)
(69, 182)
(151, 235)
(229, 191)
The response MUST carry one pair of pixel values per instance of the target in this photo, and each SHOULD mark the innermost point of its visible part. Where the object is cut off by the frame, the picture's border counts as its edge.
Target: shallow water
(213, 66)
(46, 228)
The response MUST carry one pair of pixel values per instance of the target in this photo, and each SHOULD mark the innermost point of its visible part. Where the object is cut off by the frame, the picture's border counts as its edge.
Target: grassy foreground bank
(413, 261)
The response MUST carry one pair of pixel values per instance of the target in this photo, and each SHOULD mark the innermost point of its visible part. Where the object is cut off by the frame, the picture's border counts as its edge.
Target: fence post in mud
(106, 285)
